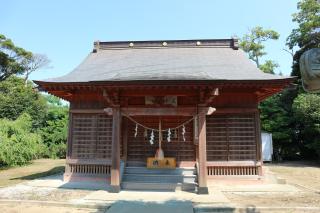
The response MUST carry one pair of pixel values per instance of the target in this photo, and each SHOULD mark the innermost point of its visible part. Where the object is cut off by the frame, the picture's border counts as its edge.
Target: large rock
(310, 70)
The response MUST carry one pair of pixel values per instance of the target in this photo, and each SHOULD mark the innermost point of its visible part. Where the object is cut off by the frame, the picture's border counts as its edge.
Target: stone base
(114, 189)
(203, 190)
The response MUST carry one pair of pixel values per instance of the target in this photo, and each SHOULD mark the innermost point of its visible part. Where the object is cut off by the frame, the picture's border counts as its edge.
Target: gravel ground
(303, 175)
(24, 192)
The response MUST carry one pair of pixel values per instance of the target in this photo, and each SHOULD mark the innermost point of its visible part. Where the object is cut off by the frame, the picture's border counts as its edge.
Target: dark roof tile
(216, 59)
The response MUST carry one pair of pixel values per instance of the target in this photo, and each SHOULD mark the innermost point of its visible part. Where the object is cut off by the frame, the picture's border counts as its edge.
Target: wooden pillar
(125, 139)
(115, 165)
(258, 141)
(69, 141)
(202, 162)
(67, 170)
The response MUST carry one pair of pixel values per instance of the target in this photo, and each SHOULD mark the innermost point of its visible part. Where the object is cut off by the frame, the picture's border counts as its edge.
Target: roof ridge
(230, 43)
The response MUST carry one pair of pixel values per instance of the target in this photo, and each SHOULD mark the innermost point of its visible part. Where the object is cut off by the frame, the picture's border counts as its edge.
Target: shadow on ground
(53, 171)
(172, 206)
(222, 209)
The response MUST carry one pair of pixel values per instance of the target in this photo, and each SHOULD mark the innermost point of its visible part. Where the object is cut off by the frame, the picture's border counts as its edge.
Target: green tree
(33, 63)
(276, 118)
(54, 132)
(306, 110)
(16, 99)
(269, 66)
(13, 59)
(275, 110)
(304, 36)
(252, 43)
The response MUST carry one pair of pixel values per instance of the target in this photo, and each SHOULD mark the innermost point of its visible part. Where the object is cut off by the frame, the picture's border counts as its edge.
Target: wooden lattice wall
(231, 137)
(139, 147)
(91, 136)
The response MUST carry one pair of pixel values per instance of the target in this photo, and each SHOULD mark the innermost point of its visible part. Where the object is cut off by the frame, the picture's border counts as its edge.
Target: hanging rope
(157, 130)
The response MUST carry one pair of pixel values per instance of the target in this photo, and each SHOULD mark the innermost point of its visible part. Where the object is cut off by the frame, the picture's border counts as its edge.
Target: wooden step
(158, 186)
(159, 178)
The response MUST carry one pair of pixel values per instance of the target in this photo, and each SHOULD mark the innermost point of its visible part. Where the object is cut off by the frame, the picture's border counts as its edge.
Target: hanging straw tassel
(183, 132)
(169, 135)
(136, 131)
(151, 138)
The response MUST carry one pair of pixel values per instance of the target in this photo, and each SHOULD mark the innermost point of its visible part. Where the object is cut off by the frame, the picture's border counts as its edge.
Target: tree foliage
(31, 125)
(306, 110)
(252, 43)
(54, 132)
(269, 66)
(304, 36)
(16, 99)
(276, 118)
(35, 62)
(18, 144)
(291, 116)
(48, 120)
(308, 20)
(12, 58)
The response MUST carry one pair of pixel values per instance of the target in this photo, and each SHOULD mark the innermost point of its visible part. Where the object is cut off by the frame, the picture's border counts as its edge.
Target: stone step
(136, 164)
(144, 170)
(159, 178)
(158, 186)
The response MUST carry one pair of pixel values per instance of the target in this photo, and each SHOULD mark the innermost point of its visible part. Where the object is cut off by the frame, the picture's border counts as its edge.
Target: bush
(18, 145)
(57, 150)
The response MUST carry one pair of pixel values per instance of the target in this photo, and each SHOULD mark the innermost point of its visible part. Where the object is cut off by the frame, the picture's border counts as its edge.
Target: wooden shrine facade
(120, 84)
(225, 142)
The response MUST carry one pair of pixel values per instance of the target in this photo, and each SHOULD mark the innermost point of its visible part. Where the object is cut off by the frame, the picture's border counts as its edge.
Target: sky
(65, 30)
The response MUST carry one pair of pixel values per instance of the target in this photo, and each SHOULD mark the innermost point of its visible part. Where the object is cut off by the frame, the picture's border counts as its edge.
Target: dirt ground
(9, 208)
(304, 175)
(38, 168)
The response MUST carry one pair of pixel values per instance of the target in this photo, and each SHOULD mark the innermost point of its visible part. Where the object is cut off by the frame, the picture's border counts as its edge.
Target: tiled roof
(209, 60)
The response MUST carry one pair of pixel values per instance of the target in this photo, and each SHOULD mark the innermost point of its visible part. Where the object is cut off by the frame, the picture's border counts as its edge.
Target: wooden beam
(177, 111)
(234, 163)
(115, 158)
(93, 111)
(202, 175)
(158, 92)
(235, 110)
(89, 161)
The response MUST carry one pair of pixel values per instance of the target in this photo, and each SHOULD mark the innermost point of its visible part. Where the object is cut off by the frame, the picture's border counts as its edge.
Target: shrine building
(164, 114)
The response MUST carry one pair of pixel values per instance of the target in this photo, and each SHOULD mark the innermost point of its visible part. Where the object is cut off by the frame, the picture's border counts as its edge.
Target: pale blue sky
(64, 30)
